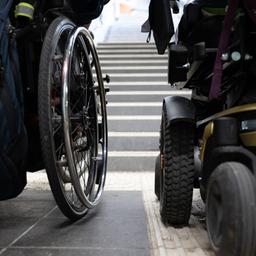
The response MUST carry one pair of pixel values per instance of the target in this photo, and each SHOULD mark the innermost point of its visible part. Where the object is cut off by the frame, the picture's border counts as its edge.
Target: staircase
(138, 85)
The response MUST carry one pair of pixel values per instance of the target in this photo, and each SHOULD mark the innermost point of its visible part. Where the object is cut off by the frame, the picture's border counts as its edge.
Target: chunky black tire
(50, 121)
(177, 177)
(157, 176)
(231, 210)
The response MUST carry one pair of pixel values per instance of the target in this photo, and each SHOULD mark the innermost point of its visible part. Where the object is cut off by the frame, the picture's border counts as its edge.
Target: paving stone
(12, 227)
(118, 226)
(28, 205)
(88, 233)
(17, 215)
(116, 205)
(74, 252)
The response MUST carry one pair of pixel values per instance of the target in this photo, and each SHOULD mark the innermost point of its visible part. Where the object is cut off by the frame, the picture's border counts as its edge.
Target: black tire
(177, 177)
(231, 210)
(157, 176)
(50, 118)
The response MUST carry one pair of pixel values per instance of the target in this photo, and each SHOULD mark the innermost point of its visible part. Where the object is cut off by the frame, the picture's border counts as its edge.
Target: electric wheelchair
(209, 141)
(64, 98)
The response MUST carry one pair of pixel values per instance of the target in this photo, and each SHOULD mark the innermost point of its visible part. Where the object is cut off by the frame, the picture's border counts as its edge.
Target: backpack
(13, 136)
(161, 23)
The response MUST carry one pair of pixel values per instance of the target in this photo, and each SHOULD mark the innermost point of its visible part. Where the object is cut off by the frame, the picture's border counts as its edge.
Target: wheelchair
(65, 106)
(209, 143)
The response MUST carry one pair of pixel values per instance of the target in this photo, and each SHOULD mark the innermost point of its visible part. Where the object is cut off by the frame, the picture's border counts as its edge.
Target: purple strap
(222, 48)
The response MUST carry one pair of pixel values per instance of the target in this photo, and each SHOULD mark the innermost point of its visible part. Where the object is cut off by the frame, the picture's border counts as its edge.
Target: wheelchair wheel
(177, 178)
(51, 116)
(231, 210)
(84, 118)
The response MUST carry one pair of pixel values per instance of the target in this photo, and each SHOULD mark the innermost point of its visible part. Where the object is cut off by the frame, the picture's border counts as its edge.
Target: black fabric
(87, 10)
(192, 14)
(195, 28)
(161, 23)
(194, 24)
(13, 136)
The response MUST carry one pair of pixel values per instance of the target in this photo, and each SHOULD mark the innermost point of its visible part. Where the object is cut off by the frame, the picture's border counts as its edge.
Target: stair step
(134, 126)
(134, 69)
(133, 143)
(125, 47)
(127, 51)
(142, 98)
(128, 63)
(122, 164)
(120, 43)
(134, 104)
(155, 110)
(138, 85)
(125, 57)
(134, 117)
(131, 88)
(169, 92)
(133, 77)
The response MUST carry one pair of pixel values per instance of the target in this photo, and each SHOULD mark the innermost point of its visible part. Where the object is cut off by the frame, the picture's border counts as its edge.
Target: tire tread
(179, 173)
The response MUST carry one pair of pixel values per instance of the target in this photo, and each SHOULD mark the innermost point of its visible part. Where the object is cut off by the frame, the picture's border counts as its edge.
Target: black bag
(13, 136)
(87, 10)
(161, 23)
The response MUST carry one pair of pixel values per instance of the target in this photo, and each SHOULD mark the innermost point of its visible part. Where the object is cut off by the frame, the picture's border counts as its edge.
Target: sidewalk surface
(32, 225)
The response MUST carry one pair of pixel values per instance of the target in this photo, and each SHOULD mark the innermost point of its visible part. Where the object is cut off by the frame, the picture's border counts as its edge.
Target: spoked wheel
(177, 177)
(231, 210)
(84, 118)
(51, 116)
